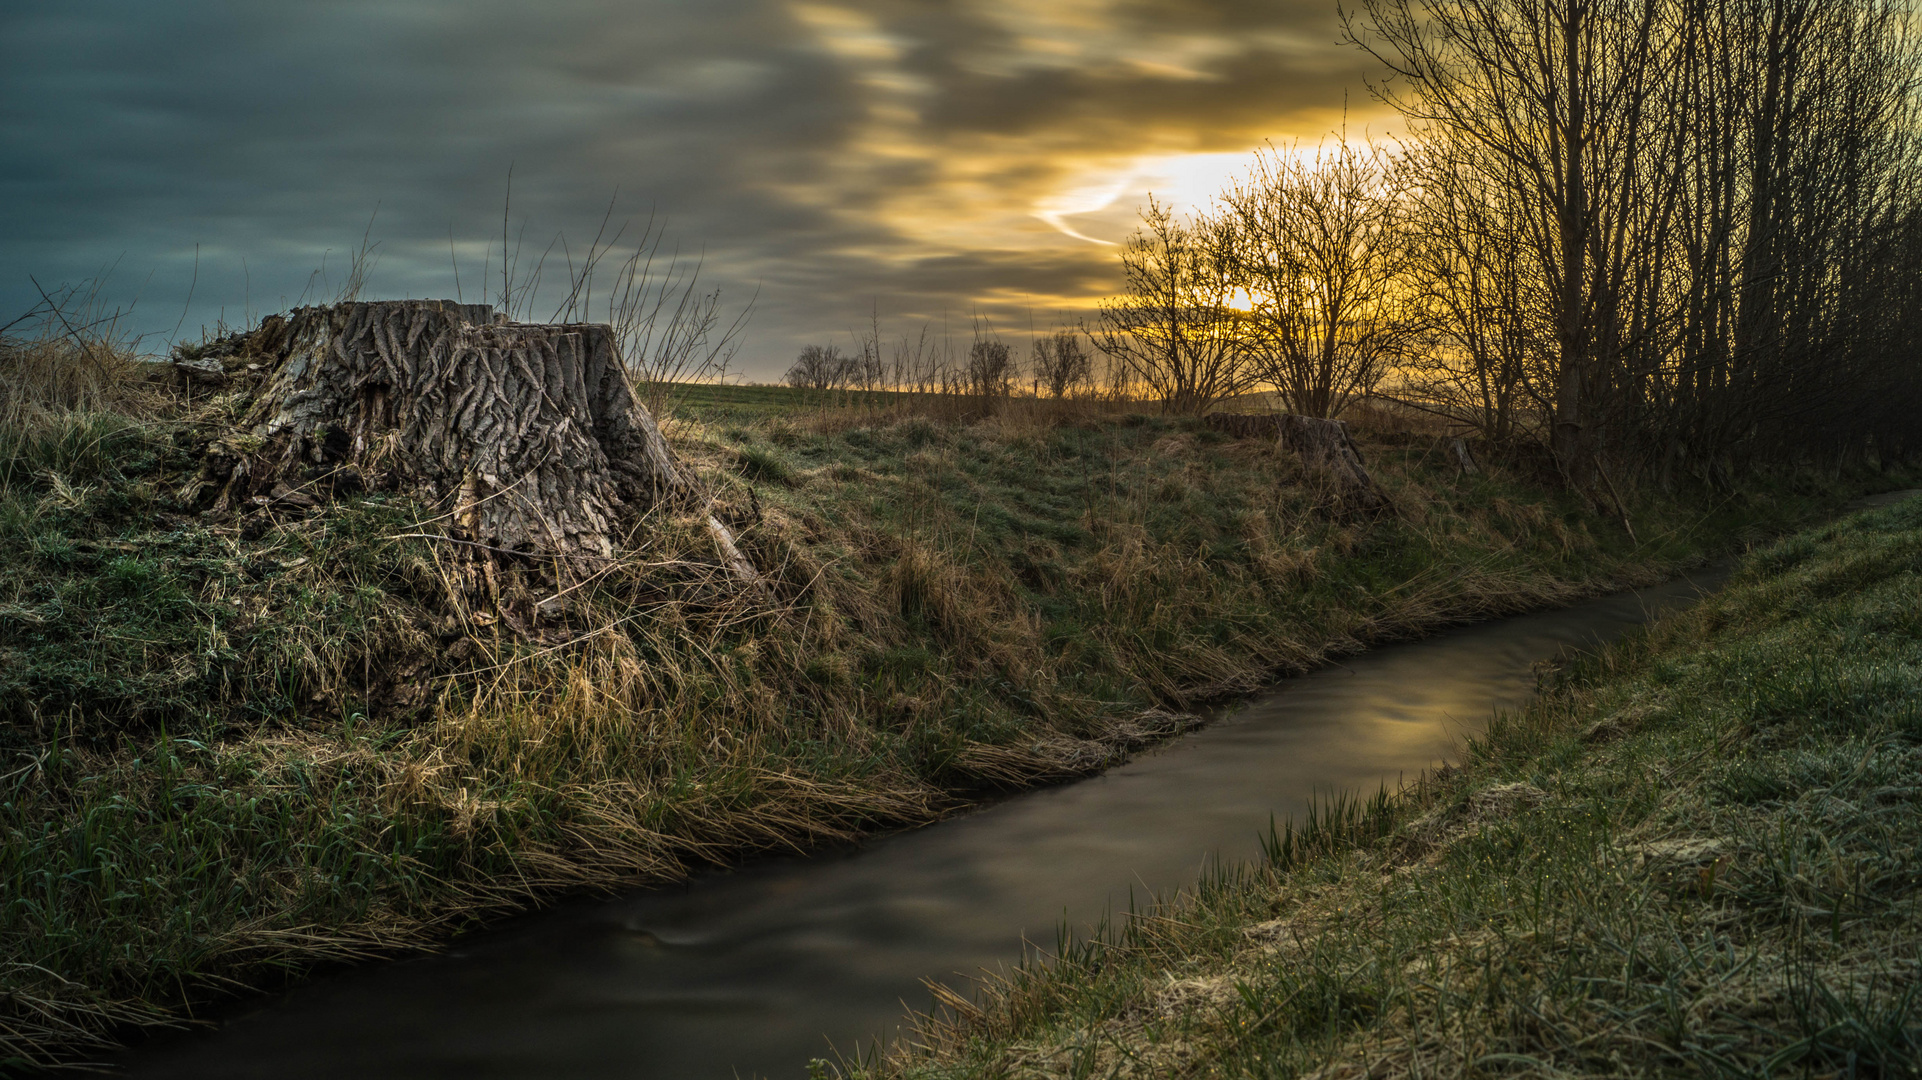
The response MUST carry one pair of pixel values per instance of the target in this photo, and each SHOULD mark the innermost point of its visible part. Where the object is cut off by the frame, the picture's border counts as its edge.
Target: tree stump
(528, 434)
(1324, 446)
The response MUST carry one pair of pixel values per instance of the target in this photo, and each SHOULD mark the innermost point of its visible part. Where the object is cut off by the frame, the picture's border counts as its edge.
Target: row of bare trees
(1059, 367)
(826, 367)
(1681, 231)
(1659, 233)
(1297, 283)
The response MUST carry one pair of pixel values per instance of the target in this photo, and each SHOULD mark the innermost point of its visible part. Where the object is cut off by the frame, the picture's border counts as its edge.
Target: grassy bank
(234, 750)
(1700, 854)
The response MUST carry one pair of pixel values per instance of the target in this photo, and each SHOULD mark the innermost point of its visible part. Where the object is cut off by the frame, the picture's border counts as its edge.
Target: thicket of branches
(1646, 234)
(1670, 232)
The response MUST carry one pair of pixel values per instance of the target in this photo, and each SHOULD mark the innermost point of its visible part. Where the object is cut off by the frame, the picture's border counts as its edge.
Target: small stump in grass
(1325, 446)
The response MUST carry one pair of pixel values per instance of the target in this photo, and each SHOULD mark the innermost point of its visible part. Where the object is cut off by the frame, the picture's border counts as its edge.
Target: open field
(236, 750)
(745, 402)
(1699, 854)
(737, 402)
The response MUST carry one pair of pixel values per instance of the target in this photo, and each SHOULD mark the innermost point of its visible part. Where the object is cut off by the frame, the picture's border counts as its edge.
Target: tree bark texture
(1323, 445)
(528, 433)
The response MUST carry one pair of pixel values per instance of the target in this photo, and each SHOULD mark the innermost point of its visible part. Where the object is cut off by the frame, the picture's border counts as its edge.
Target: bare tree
(1486, 348)
(991, 369)
(819, 367)
(1320, 250)
(1061, 366)
(1173, 330)
(1554, 97)
(1813, 134)
(1664, 232)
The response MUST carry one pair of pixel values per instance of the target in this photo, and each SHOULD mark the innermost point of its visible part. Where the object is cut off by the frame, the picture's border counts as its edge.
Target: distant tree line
(1646, 234)
(1059, 367)
(826, 367)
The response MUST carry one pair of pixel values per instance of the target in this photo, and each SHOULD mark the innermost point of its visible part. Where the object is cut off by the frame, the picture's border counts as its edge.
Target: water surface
(751, 972)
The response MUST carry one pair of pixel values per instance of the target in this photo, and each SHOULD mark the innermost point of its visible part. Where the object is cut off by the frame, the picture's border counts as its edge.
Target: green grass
(236, 749)
(1700, 854)
(740, 402)
(117, 617)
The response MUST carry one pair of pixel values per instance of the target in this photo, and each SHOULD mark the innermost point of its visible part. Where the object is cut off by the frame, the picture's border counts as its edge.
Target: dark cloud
(836, 156)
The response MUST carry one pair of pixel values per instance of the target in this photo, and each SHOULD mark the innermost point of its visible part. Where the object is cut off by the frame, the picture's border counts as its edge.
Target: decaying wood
(529, 435)
(1464, 460)
(1324, 446)
(731, 556)
(1621, 507)
(199, 372)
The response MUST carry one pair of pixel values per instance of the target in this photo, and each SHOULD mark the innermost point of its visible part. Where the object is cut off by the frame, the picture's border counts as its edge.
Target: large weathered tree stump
(527, 435)
(1325, 446)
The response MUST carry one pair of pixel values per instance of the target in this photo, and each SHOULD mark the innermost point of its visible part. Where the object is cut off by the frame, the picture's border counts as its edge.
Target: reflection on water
(754, 971)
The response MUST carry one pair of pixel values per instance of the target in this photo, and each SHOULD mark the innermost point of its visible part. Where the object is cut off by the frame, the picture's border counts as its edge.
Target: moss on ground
(1699, 855)
(237, 749)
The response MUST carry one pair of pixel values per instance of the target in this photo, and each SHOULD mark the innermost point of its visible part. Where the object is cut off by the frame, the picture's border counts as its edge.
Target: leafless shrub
(1174, 328)
(1319, 248)
(672, 330)
(73, 358)
(819, 367)
(1061, 367)
(991, 370)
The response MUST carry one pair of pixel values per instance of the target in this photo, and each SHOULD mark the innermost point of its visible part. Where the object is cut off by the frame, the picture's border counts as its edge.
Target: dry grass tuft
(73, 361)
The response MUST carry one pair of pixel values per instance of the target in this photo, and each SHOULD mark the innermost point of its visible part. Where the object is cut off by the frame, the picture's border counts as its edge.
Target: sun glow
(1181, 182)
(1112, 189)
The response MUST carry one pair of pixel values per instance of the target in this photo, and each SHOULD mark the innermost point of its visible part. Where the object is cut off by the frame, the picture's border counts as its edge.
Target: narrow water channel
(754, 971)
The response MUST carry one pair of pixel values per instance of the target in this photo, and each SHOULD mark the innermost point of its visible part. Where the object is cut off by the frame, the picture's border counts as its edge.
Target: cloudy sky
(934, 160)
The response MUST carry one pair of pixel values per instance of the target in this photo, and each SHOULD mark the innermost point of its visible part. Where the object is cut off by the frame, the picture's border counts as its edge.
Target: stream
(753, 971)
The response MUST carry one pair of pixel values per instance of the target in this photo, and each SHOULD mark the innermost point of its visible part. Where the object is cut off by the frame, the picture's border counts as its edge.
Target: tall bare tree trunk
(1569, 134)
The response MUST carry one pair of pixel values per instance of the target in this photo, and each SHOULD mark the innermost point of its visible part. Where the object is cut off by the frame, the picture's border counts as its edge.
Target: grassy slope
(234, 752)
(1700, 855)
